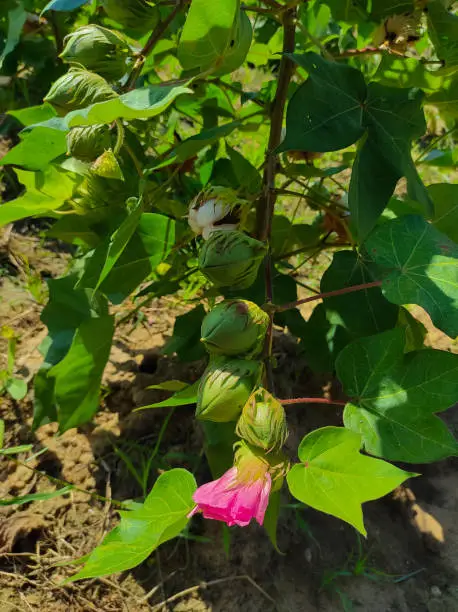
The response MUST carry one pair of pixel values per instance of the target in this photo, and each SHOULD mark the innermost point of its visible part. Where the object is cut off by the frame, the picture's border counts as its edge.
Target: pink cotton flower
(234, 498)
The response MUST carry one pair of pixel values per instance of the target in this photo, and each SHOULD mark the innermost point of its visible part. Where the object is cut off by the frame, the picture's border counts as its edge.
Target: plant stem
(156, 35)
(266, 203)
(321, 296)
(312, 400)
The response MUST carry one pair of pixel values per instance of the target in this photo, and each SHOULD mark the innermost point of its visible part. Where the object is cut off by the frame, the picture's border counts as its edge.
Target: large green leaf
(361, 313)
(326, 112)
(395, 395)
(137, 104)
(148, 246)
(445, 198)
(335, 478)
(207, 33)
(16, 19)
(38, 147)
(161, 517)
(79, 374)
(238, 46)
(443, 31)
(334, 108)
(45, 192)
(421, 267)
(33, 114)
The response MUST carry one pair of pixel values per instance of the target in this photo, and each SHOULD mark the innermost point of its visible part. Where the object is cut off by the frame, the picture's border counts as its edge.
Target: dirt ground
(408, 563)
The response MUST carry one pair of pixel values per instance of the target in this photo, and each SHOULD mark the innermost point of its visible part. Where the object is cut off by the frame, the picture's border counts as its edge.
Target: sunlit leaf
(161, 517)
(335, 478)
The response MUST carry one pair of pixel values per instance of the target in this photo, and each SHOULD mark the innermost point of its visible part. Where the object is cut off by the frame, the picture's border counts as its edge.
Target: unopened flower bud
(225, 387)
(231, 259)
(138, 15)
(263, 422)
(78, 89)
(98, 49)
(235, 327)
(87, 143)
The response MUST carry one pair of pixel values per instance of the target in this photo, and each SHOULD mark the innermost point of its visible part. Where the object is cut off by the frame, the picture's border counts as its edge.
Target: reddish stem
(321, 296)
(312, 400)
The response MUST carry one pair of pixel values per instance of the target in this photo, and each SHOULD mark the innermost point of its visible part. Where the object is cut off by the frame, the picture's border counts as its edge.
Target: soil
(408, 563)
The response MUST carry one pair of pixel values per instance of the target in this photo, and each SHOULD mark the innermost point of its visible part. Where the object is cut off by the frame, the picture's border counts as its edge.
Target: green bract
(231, 259)
(87, 143)
(263, 422)
(137, 15)
(235, 327)
(98, 49)
(77, 89)
(225, 387)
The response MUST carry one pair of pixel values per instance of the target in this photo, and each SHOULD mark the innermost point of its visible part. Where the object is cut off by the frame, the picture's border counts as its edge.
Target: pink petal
(264, 500)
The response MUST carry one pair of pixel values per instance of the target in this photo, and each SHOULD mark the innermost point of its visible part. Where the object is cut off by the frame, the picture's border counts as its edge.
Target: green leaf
(79, 374)
(361, 313)
(17, 388)
(149, 245)
(45, 192)
(16, 20)
(35, 497)
(170, 385)
(74, 229)
(185, 341)
(238, 46)
(119, 240)
(395, 396)
(38, 147)
(246, 174)
(443, 31)
(271, 518)
(421, 267)
(33, 114)
(445, 198)
(63, 5)
(207, 33)
(184, 397)
(219, 446)
(161, 517)
(137, 104)
(446, 100)
(325, 113)
(322, 341)
(406, 72)
(335, 478)
(15, 450)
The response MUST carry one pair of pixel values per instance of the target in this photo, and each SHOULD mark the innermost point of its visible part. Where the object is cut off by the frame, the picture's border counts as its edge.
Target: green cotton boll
(225, 387)
(263, 422)
(235, 327)
(238, 48)
(98, 49)
(98, 193)
(87, 143)
(137, 15)
(107, 166)
(77, 89)
(231, 259)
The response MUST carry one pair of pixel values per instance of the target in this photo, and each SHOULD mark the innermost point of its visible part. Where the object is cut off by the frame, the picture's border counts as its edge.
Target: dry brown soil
(408, 563)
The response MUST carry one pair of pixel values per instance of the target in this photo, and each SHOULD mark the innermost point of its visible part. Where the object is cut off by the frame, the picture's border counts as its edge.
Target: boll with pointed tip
(231, 259)
(225, 387)
(235, 327)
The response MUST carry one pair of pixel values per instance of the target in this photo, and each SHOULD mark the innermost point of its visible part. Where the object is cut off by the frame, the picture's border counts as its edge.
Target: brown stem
(156, 35)
(321, 296)
(266, 203)
(312, 400)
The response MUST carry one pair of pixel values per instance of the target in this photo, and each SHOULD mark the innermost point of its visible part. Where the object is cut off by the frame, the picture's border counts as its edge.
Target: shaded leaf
(443, 31)
(335, 478)
(185, 340)
(63, 5)
(445, 198)
(421, 267)
(16, 20)
(395, 395)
